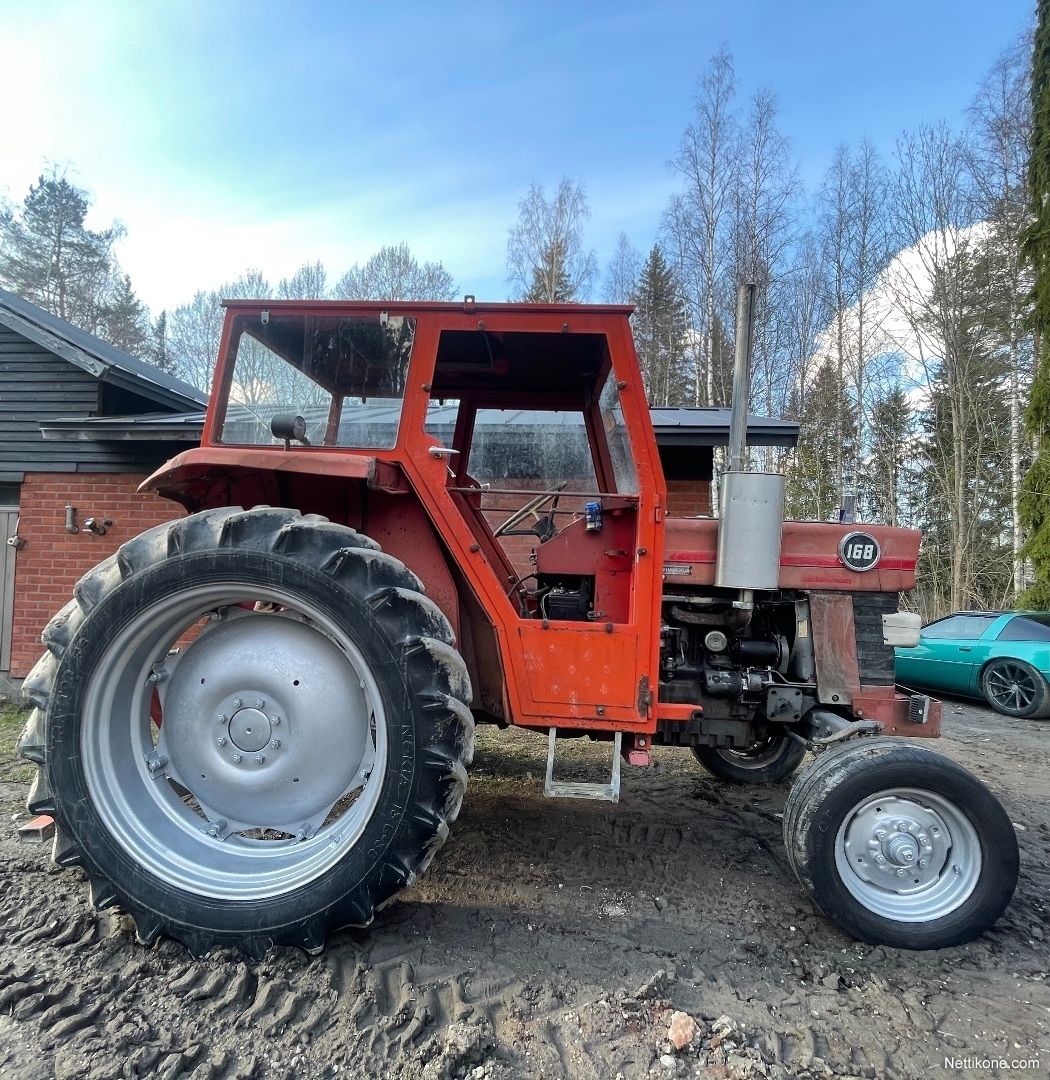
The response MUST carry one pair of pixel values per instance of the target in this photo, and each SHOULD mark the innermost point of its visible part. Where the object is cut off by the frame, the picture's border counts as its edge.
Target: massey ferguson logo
(859, 551)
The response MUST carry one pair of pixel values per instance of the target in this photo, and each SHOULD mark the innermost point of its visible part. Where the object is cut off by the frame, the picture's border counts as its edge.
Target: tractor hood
(813, 555)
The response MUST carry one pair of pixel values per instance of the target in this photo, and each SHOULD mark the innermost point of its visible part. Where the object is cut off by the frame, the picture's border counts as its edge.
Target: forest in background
(892, 316)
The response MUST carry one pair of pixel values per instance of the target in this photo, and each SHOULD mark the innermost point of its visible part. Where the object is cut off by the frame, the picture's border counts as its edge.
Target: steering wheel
(531, 507)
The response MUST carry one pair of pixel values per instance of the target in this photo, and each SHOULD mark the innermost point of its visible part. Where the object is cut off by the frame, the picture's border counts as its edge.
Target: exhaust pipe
(751, 514)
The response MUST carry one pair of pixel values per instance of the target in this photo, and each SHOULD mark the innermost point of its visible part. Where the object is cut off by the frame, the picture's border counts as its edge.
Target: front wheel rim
(147, 788)
(908, 855)
(1011, 687)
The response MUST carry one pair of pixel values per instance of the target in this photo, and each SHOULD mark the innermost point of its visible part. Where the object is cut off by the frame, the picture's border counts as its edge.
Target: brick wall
(688, 498)
(53, 560)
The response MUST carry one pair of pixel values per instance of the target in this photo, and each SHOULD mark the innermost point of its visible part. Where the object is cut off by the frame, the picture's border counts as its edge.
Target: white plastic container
(901, 629)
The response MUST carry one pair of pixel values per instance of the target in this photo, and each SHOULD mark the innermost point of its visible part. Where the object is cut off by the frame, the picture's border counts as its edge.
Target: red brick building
(84, 423)
(53, 482)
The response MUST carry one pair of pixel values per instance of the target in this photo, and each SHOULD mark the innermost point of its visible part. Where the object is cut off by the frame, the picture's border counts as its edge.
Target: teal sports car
(1003, 657)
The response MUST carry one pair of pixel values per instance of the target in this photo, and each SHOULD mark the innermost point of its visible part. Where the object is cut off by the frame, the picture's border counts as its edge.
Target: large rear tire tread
(820, 801)
(434, 678)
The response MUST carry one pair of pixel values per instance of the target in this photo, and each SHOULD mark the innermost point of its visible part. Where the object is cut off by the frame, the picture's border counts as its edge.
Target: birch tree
(698, 218)
(309, 282)
(855, 247)
(547, 259)
(765, 217)
(621, 275)
(940, 288)
(394, 273)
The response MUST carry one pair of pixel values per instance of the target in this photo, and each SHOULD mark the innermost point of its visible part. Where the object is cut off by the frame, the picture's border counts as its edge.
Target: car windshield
(345, 376)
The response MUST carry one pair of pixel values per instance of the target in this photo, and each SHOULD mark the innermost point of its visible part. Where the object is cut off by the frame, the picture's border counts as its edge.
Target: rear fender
(364, 492)
(206, 476)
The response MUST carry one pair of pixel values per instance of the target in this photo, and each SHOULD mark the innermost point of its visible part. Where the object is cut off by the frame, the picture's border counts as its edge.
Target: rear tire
(207, 827)
(777, 758)
(900, 846)
(1015, 688)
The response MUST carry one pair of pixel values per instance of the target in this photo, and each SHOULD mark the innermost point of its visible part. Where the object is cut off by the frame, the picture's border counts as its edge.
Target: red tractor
(253, 726)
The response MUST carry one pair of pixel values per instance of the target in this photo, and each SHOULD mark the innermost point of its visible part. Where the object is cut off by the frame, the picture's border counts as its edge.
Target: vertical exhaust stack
(751, 512)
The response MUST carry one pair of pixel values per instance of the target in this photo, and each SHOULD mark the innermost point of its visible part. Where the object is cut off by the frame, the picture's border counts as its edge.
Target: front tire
(900, 846)
(767, 762)
(1015, 688)
(287, 770)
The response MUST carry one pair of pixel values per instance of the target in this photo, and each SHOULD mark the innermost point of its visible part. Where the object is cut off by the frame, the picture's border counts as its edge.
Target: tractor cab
(506, 454)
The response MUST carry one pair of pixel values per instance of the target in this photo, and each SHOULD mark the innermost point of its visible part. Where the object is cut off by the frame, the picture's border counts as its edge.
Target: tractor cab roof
(484, 351)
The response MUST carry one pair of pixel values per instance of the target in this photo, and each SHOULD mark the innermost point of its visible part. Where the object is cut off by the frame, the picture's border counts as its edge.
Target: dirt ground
(552, 939)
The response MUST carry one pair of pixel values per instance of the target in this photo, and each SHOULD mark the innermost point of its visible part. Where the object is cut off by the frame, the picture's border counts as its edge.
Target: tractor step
(569, 789)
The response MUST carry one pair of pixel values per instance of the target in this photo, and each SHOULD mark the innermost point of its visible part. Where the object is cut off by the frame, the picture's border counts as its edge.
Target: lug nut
(276, 744)
(259, 703)
(881, 834)
(236, 759)
(221, 741)
(236, 702)
(221, 718)
(259, 759)
(900, 872)
(923, 863)
(880, 859)
(275, 720)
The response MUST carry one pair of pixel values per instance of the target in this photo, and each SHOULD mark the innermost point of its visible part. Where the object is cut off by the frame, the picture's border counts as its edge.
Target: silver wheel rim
(270, 757)
(908, 855)
(1010, 686)
(755, 757)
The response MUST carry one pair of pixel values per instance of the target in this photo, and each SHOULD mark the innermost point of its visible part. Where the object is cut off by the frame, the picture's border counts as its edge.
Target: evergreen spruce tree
(157, 350)
(550, 278)
(890, 435)
(1035, 494)
(812, 478)
(125, 321)
(660, 332)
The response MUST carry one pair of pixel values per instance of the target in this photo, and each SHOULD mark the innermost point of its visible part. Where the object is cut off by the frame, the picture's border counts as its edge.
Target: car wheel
(1015, 688)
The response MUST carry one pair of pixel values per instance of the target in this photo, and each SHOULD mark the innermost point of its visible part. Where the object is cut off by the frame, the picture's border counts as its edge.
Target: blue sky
(233, 134)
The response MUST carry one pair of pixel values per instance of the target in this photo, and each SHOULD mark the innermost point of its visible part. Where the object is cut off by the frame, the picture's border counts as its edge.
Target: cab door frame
(615, 666)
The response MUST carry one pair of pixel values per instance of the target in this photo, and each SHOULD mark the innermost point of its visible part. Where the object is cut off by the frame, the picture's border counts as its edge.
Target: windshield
(344, 375)
(616, 436)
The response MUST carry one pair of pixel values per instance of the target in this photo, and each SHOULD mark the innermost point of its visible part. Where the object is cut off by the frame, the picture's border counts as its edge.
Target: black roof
(97, 357)
(708, 425)
(673, 426)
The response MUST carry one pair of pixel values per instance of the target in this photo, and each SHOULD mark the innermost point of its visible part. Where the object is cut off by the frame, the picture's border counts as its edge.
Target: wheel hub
(265, 723)
(249, 729)
(897, 844)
